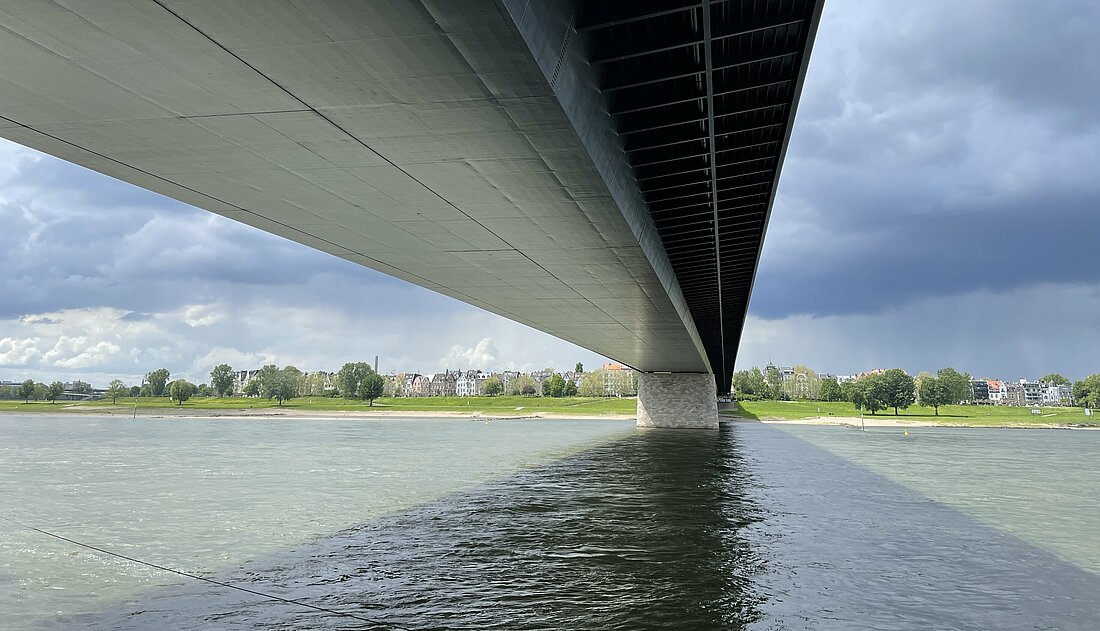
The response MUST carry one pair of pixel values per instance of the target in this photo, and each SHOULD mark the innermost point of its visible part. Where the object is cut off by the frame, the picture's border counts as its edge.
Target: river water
(454, 524)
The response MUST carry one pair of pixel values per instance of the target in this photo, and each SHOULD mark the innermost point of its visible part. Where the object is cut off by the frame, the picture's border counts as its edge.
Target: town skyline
(605, 364)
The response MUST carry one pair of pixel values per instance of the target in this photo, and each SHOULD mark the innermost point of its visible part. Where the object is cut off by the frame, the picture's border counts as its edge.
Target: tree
(569, 389)
(956, 385)
(554, 386)
(557, 386)
(181, 390)
(54, 391)
(1056, 379)
(252, 388)
(750, 384)
(317, 384)
(116, 389)
(40, 390)
(158, 381)
(26, 390)
(284, 387)
(135, 391)
(830, 390)
(524, 385)
(899, 389)
(372, 387)
(579, 367)
(593, 384)
(802, 385)
(875, 393)
(295, 380)
(775, 384)
(351, 377)
(1087, 391)
(277, 384)
(852, 392)
(82, 387)
(932, 392)
(221, 379)
(868, 393)
(493, 386)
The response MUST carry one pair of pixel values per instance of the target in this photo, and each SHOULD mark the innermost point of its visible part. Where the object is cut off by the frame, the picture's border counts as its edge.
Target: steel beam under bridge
(601, 171)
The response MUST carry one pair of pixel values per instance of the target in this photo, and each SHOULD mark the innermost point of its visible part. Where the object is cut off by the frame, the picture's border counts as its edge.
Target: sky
(939, 205)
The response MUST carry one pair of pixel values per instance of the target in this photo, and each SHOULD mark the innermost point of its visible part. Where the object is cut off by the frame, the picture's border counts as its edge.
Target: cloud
(99, 344)
(74, 238)
(484, 353)
(19, 352)
(30, 319)
(87, 353)
(1024, 332)
(201, 315)
(938, 156)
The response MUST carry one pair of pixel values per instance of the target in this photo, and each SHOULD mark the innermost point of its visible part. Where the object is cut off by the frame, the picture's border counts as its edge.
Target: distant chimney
(376, 363)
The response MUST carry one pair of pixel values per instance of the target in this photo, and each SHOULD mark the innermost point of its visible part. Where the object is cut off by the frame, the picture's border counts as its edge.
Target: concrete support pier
(677, 400)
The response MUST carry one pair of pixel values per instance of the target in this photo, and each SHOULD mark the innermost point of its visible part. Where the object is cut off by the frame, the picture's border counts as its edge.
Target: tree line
(355, 380)
(892, 388)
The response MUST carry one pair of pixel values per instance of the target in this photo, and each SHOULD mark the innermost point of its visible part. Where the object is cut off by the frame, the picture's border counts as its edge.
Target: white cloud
(19, 352)
(484, 353)
(91, 356)
(201, 315)
(99, 344)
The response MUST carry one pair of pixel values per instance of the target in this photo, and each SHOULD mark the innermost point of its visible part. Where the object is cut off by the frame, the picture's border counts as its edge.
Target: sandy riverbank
(285, 413)
(886, 421)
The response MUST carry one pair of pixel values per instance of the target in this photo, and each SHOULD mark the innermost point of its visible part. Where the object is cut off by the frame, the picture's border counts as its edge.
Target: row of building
(618, 380)
(1023, 392)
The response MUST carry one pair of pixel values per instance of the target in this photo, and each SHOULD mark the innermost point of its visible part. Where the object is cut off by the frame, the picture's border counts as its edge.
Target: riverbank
(840, 413)
(488, 408)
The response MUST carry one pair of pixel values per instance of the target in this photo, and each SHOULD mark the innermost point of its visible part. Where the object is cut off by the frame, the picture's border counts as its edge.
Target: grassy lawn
(949, 414)
(33, 406)
(509, 406)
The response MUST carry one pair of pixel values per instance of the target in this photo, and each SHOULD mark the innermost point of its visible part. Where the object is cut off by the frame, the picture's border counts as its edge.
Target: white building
(468, 383)
(241, 379)
(998, 391)
(1053, 394)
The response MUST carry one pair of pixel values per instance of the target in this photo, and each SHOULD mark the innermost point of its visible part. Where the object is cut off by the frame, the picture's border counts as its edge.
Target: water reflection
(642, 533)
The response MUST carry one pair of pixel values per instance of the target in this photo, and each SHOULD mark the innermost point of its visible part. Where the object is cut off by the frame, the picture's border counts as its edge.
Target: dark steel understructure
(703, 96)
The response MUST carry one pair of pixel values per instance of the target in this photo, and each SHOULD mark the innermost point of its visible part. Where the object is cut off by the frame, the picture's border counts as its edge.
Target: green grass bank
(496, 406)
(960, 415)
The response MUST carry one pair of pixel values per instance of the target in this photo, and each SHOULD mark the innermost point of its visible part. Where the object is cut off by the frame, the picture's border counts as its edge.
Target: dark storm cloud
(941, 148)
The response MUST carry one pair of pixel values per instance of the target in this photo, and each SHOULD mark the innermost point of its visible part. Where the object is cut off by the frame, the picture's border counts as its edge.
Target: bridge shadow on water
(642, 533)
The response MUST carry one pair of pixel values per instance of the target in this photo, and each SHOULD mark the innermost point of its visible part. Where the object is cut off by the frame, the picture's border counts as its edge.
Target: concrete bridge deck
(601, 171)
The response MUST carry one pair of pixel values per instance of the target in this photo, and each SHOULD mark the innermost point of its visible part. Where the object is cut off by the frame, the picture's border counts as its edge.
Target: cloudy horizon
(938, 206)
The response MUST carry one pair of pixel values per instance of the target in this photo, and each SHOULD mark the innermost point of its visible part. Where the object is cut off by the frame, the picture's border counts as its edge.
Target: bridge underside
(602, 171)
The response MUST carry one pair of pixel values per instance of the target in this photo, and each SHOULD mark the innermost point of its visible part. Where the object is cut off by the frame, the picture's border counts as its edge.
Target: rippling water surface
(548, 524)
